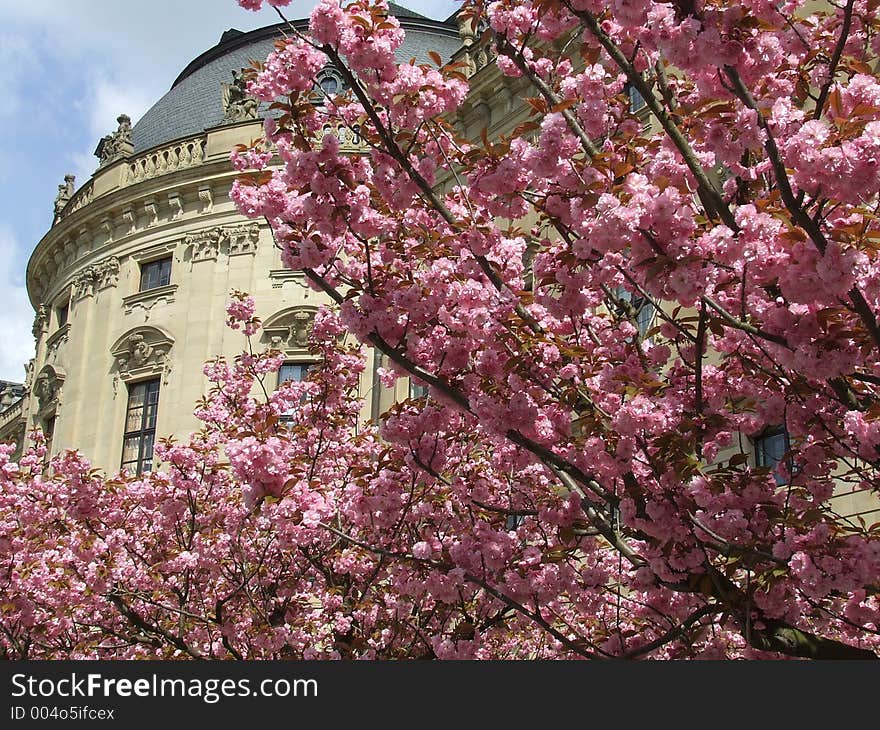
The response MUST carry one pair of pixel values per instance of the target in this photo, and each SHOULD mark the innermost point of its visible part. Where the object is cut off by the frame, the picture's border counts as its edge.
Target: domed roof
(194, 102)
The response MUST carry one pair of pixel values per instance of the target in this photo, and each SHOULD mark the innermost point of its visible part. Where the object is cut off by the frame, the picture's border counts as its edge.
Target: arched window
(141, 361)
(328, 83)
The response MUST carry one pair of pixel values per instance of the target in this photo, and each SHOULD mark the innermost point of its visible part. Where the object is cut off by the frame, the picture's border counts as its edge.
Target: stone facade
(99, 331)
(161, 194)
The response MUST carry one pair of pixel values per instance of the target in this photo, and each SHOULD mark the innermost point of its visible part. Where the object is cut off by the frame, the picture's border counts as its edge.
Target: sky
(69, 68)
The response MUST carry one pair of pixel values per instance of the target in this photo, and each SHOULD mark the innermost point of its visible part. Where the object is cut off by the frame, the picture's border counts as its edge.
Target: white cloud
(70, 67)
(107, 99)
(15, 54)
(16, 314)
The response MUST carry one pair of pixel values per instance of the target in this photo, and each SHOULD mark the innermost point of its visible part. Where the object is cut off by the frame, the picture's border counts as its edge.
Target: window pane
(150, 415)
(165, 272)
(140, 426)
(645, 314)
(770, 450)
(133, 419)
(147, 452)
(130, 450)
(293, 371)
(137, 395)
(636, 100)
(63, 312)
(155, 273)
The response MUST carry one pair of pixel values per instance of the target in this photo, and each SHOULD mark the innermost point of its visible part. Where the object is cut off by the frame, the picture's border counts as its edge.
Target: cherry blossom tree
(579, 481)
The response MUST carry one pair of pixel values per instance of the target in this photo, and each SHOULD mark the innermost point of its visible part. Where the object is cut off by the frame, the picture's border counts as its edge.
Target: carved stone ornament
(242, 239)
(107, 228)
(290, 328)
(84, 283)
(65, 193)
(300, 327)
(116, 145)
(209, 243)
(47, 385)
(101, 275)
(129, 220)
(142, 351)
(206, 200)
(204, 245)
(237, 105)
(41, 321)
(152, 211)
(175, 203)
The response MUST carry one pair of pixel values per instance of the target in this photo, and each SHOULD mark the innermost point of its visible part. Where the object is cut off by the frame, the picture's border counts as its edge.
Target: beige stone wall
(130, 213)
(173, 200)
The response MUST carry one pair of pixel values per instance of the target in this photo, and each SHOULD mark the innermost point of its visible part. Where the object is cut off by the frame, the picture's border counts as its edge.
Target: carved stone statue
(46, 389)
(300, 328)
(41, 320)
(138, 351)
(65, 192)
(116, 145)
(237, 105)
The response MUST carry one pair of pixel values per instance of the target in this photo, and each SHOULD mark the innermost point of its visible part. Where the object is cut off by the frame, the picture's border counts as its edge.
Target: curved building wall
(99, 333)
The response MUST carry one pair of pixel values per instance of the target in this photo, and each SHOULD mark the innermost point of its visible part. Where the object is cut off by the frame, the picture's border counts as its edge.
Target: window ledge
(57, 336)
(148, 298)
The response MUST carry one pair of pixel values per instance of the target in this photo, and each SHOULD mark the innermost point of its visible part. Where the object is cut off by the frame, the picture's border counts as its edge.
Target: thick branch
(704, 184)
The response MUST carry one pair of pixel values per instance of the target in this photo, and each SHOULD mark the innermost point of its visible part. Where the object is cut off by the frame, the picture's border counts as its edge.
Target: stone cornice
(111, 223)
(166, 184)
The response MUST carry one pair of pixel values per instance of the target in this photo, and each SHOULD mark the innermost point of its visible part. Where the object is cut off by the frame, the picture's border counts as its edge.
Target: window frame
(146, 431)
(164, 264)
(764, 459)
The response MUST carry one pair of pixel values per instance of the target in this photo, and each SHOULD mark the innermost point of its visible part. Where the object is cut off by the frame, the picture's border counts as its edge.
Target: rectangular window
(293, 371)
(636, 100)
(643, 309)
(155, 274)
(140, 426)
(49, 434)
(296, 371)
(376, 387)
(770, 450)
(63, 313)
(417, 391)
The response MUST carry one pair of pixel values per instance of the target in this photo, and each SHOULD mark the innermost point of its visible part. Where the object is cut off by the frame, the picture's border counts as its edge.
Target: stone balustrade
(11, 413)
(156, 162)
(81, 198)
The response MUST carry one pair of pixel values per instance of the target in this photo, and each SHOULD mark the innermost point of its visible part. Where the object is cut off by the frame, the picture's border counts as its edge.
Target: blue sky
(70, 67)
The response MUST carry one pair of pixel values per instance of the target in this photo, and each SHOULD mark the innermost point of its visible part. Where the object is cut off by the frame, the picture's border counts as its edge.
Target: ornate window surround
(142, 354)
(288, 331)
(47, 389)
(57, 337)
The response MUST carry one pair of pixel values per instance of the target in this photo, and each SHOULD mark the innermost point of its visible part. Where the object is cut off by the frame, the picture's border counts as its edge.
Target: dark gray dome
(194, 102)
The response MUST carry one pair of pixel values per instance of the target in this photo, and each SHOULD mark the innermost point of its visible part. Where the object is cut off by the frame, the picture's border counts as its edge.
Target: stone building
(130, 283)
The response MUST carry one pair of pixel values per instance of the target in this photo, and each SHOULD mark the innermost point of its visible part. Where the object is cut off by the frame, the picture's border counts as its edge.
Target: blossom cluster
(612, 311)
